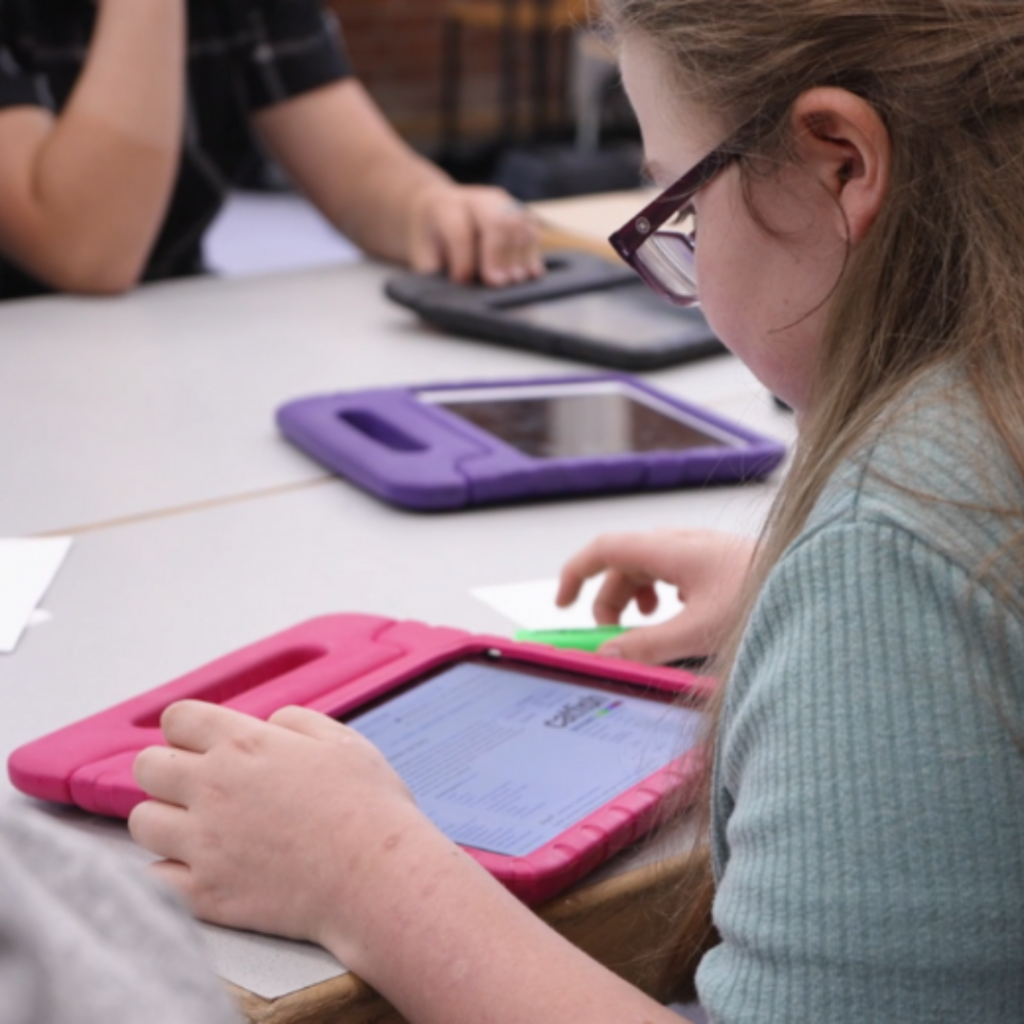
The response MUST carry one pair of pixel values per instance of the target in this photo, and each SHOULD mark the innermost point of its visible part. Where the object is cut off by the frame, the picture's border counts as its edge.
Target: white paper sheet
(27, 567)
(531, 605)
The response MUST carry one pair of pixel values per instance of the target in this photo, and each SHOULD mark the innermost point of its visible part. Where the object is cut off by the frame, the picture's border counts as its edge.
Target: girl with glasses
(856, 171)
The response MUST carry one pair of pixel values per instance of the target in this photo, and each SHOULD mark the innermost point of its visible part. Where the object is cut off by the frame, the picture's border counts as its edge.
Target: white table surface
(144, 425)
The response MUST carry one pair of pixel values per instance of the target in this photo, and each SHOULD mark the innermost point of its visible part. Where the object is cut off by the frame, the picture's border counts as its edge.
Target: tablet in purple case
(450, 446)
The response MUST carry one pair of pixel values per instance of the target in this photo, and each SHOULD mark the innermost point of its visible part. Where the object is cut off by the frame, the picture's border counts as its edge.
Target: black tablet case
(478, 311)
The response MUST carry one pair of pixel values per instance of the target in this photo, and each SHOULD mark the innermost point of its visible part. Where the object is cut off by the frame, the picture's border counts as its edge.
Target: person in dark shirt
(125, 123)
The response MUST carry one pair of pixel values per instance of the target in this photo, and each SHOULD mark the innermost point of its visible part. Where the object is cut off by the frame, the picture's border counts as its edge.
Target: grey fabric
(86, 939)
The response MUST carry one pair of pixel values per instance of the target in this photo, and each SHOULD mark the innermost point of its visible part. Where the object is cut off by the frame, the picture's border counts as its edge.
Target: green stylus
(578, 639)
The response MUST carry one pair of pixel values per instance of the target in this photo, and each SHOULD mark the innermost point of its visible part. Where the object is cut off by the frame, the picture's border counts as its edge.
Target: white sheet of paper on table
(27, 568)
(531, 605)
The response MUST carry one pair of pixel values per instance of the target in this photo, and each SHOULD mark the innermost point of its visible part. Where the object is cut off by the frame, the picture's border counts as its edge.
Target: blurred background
(520, 91)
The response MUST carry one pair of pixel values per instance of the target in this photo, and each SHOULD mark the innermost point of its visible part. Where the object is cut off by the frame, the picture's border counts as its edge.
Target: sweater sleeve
(868, 818)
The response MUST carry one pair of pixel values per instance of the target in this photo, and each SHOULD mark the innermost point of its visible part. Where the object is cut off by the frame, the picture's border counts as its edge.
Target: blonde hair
(940, 278)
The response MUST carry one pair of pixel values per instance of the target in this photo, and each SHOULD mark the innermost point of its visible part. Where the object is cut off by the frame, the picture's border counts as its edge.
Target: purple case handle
(386, 441)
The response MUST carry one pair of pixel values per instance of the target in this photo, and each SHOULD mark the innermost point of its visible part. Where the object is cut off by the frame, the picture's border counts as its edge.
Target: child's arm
(346, 158)
(298, 826)
(83, 193)
(707, 567)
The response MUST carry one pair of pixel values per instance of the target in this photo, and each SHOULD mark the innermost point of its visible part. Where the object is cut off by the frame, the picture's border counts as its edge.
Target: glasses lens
(666, 262)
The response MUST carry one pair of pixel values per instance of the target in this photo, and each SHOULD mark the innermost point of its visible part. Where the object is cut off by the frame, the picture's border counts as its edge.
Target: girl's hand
(707, 568)
(472, 230)
(268, 825)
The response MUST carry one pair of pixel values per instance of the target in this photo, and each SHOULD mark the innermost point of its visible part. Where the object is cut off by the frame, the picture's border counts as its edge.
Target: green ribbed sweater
(868, 809)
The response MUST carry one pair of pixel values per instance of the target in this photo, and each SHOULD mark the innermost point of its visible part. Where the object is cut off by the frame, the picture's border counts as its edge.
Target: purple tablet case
(422, 456)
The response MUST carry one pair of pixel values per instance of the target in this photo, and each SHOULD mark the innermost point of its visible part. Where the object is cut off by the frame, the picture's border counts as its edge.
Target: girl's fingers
(580, 568)
(314, 724)
(160, 828)
(167, 774)
(569, 584)
(657, 645)
(196, 725)
(647, 599)
(616, 594)
(640, 557)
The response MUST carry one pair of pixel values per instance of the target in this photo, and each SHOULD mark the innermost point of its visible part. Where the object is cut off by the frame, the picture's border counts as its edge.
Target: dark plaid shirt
(243, 55)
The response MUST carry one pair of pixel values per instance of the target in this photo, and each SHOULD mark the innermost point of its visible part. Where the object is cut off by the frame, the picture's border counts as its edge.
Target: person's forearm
(445, 943)
(375, 214)
(343, 154)
(103, 176)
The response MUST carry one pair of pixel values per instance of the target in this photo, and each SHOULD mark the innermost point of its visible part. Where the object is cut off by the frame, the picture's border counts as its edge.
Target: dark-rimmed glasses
(664, 257)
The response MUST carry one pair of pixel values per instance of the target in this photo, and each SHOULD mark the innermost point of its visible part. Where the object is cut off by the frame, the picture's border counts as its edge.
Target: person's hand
(268, 825)
(707, 568)
(472, 231)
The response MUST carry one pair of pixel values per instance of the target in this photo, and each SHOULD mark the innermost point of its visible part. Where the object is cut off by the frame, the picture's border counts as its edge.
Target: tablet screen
(579, 420)
(505, 757)
(630, 316)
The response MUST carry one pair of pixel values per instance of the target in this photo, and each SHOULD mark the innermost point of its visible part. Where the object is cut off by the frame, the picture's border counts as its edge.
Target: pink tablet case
(336, 664)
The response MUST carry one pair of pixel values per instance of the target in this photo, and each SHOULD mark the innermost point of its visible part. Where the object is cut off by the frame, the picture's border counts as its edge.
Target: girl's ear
(843, 141)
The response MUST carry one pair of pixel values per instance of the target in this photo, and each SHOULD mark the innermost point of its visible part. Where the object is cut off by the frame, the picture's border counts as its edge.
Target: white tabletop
(166, 397)
(145, 426)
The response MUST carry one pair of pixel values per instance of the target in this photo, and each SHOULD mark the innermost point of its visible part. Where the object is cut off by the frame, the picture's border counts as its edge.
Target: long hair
(939, 280)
